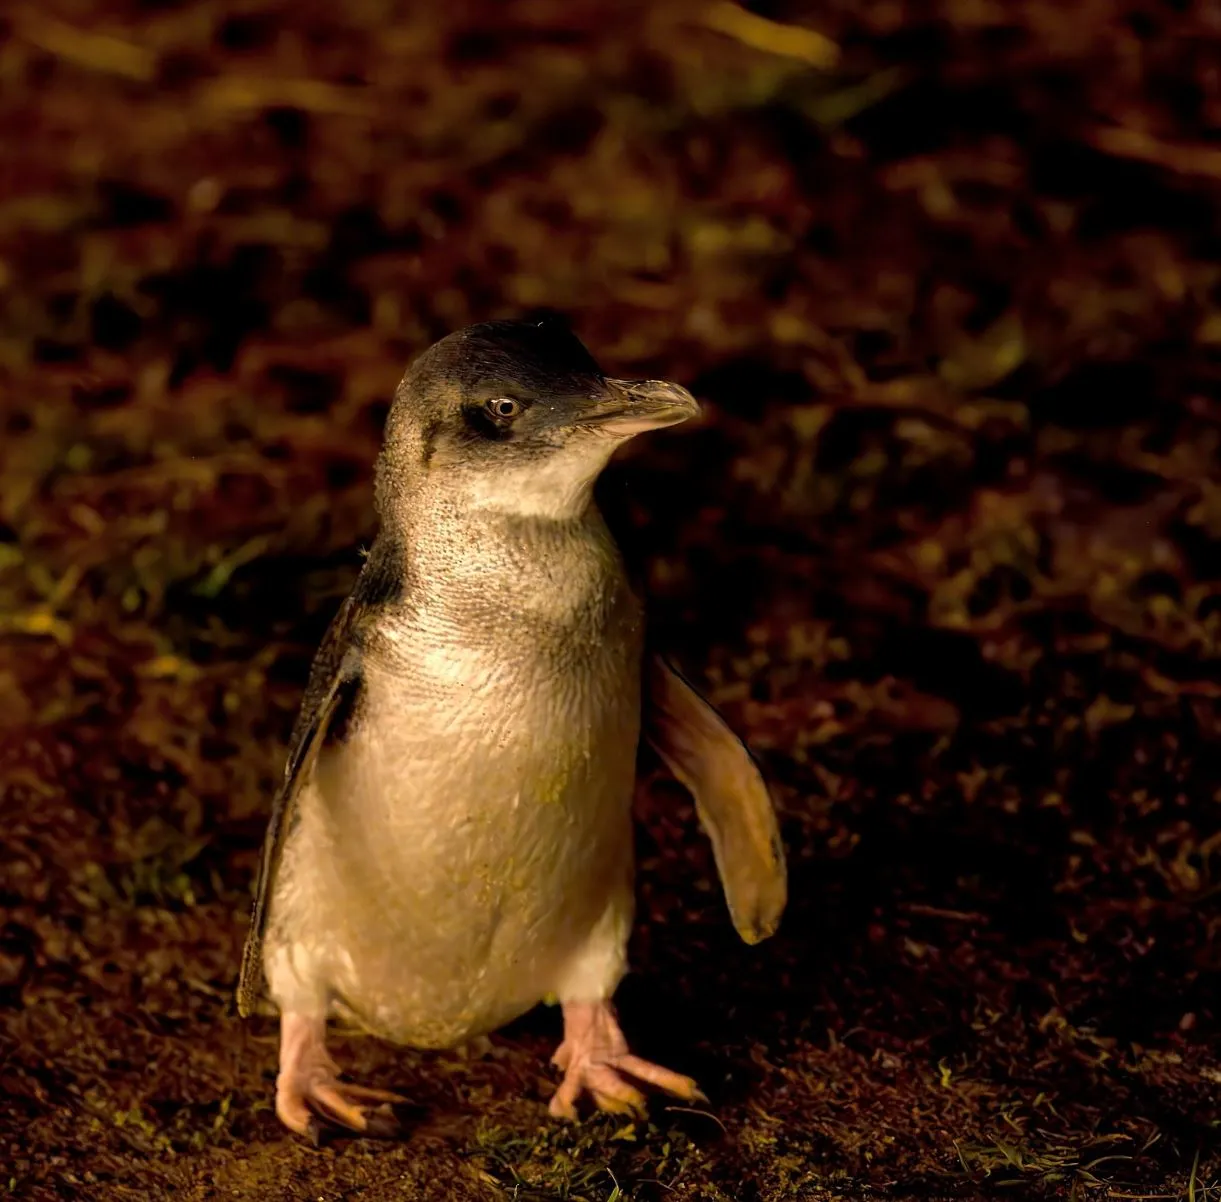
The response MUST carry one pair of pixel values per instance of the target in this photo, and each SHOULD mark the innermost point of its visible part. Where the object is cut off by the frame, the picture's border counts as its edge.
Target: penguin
(451, 843)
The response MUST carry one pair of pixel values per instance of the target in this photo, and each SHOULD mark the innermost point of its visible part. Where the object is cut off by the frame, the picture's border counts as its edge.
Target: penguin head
(516, 416)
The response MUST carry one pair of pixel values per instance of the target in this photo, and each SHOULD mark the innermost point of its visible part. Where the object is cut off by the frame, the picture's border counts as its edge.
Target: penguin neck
(466, 549)
(546, 491)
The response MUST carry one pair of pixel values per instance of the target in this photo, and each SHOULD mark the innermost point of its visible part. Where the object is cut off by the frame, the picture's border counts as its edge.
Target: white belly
(455, 856)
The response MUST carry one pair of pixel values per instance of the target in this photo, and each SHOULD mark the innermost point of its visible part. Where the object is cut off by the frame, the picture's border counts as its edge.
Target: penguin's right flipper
(730, 795)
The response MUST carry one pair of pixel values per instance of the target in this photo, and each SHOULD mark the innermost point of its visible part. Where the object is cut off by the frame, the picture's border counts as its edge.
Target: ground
(945, 549)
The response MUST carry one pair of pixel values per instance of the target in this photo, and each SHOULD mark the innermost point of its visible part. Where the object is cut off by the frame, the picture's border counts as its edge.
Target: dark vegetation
(946, 549)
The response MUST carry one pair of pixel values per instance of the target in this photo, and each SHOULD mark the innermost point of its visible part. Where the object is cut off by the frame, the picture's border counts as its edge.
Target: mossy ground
(946, 550)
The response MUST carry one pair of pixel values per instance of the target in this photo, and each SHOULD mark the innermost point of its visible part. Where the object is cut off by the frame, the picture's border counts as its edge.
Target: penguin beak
(629, 407)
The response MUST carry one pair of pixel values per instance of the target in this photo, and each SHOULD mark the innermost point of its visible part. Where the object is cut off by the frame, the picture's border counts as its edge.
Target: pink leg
(309, 1094)
(596, 1060)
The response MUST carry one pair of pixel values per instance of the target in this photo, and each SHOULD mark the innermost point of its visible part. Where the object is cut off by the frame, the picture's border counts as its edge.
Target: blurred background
(946, 550)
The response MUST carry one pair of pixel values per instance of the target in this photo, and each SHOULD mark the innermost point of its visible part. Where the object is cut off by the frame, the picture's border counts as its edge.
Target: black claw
(313, 1131)
(382, 1126)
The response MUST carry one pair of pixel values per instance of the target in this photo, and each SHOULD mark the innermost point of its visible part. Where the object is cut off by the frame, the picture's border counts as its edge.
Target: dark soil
(946, 550)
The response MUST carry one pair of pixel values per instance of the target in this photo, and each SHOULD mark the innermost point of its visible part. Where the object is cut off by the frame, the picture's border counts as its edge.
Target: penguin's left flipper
(731, 798)
(333, 690)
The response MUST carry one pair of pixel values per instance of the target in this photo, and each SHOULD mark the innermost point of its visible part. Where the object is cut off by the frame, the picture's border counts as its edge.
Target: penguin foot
(596, 1061)
(310, 1098)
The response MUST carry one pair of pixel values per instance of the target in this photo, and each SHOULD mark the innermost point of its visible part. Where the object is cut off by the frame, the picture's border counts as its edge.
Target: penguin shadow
(699, 999)
(741, 1018)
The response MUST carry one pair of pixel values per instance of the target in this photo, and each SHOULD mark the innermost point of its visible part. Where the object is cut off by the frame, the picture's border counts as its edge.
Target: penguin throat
(546, 490)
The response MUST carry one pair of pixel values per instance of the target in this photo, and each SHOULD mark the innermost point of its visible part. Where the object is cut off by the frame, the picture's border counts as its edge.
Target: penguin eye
(503, 407)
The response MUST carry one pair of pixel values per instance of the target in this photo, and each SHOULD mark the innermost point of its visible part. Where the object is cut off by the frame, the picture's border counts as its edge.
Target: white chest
(475, 826)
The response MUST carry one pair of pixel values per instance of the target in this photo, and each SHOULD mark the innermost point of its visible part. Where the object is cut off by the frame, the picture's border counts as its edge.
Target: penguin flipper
(731, 799)
(333, 690)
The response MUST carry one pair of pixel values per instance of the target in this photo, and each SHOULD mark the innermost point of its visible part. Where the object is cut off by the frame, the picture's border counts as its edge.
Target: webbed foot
(596, 1061)
(310, 1097)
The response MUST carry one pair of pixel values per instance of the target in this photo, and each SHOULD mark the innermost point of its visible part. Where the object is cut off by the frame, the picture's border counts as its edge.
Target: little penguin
(451, 843)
